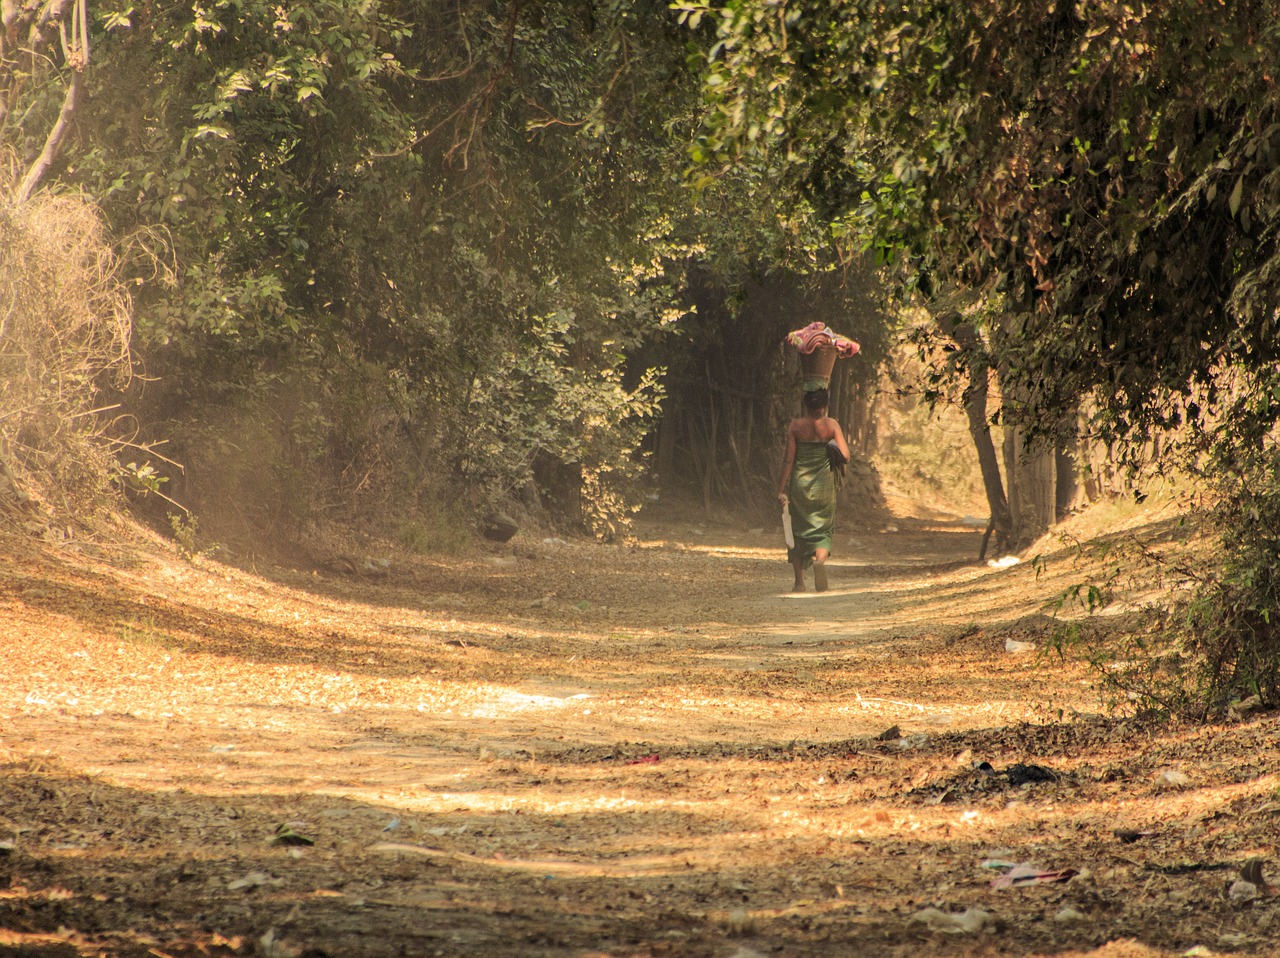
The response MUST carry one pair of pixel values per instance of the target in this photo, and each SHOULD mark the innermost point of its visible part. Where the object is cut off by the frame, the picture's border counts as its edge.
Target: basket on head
(819, 363)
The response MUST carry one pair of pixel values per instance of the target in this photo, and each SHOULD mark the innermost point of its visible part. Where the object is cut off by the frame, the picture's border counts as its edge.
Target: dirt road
(566, 749)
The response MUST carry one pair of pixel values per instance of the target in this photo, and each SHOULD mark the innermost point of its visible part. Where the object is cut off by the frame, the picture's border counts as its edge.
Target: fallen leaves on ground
(596, 750)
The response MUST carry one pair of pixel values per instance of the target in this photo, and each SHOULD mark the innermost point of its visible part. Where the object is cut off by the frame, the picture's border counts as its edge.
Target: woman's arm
(839, 438)
(788, 461)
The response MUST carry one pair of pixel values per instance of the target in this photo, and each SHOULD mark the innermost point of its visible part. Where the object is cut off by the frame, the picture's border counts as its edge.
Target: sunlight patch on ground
(735, 551)
(510, 702)
(936, 714)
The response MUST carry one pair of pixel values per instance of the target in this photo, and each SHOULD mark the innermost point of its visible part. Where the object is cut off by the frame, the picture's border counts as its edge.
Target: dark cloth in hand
(837, 461)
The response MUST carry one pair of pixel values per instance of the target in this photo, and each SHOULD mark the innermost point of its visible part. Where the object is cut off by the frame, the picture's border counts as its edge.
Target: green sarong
(811, 497)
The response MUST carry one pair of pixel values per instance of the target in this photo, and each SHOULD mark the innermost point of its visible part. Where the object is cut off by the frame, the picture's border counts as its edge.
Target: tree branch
(51, 144)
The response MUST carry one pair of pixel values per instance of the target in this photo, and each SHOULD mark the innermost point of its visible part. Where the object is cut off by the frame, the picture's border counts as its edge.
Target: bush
(1232, 625)
(1208, 633)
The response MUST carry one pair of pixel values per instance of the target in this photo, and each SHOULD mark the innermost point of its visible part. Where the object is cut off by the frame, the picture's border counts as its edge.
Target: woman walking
(807, 486)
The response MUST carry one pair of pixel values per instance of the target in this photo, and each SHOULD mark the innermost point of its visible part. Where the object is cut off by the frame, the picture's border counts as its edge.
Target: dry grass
(64, 335)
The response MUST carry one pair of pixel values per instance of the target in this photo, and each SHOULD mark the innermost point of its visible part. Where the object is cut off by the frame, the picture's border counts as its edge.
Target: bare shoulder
(827, 428)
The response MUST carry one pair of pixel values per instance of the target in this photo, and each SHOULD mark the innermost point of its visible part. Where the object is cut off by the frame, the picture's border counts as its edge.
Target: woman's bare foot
(799, 586)
(820, 577)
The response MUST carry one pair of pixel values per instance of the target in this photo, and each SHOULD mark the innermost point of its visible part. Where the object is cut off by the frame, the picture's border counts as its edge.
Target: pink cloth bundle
(817, 335)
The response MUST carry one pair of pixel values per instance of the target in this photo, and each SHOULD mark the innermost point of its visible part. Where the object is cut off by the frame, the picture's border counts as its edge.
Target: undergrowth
(1183, 624)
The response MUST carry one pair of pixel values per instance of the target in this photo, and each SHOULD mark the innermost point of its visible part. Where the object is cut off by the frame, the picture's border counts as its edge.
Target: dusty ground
(577, 750)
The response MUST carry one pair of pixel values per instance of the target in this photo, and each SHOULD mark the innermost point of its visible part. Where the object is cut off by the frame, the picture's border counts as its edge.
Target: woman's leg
(820, 569)
(797, 564)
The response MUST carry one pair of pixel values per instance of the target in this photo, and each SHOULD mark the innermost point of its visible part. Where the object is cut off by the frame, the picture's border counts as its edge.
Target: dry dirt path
(567, 749)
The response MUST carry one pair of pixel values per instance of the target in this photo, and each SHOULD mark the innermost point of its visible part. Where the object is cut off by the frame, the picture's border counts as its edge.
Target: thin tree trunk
(1032, 486)
(1068, 485)
(711, 475)
(698, 454)
(665, 441)
(52, 142)
(975, 407)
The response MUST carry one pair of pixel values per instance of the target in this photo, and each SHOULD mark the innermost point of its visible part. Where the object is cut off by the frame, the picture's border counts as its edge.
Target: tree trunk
(975, 407)
(52, 143)
(40, 20)
(665, 441)
(976, 394)
(1069, 495)
(1032, 471)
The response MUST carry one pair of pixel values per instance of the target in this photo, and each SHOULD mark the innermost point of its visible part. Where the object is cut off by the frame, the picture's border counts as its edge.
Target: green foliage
(144, 634)
(1103, 164)
(143, 478)
(1141, 670)
(536, 403)
(1139, 664)
(377, 243)
(185, 527)
(434, 532)
(458, 220)
(221, 124)
(1205, 636)
(1232, 624)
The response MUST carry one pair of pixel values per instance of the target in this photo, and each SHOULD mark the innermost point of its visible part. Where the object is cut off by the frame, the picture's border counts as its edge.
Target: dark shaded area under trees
(731, 383)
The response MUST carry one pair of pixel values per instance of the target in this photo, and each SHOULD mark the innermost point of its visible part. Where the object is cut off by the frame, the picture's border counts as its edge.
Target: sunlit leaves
(117, 19)
(1018, 146)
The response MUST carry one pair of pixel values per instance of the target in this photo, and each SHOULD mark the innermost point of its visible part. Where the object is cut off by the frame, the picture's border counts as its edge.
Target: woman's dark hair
(816, 400)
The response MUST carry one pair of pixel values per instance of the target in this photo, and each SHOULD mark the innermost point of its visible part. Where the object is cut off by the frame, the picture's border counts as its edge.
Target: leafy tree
(427, 250)
(42, 46)
(460, 216)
